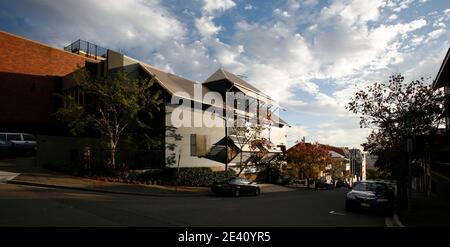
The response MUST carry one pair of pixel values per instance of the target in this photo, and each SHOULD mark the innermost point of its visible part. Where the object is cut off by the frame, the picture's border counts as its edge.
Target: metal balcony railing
(87, 48)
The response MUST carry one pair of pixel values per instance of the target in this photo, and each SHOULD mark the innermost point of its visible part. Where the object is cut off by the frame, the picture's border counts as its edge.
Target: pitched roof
(222, 74)
(443, 76)
(172, 83)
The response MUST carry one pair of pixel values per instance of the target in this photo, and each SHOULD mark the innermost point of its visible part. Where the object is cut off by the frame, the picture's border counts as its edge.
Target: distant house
(337, 154)
(31, 73)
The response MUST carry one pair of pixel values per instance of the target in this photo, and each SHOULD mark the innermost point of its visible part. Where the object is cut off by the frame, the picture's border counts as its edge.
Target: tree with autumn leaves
(308, 159)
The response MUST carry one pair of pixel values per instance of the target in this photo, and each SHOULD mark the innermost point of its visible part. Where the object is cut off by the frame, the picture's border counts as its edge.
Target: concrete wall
(59, 149)
(214, 134)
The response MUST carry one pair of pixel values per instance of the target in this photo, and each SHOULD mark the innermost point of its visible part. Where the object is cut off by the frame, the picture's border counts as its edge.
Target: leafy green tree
(110, 105)
(396, 111)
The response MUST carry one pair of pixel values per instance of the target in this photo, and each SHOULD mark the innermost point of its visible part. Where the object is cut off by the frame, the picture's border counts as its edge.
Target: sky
(310, 55)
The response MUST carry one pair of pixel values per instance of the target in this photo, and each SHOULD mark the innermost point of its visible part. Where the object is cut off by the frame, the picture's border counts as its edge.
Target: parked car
(323, 184)
(18, 144)
(236, 187)
(370, 195)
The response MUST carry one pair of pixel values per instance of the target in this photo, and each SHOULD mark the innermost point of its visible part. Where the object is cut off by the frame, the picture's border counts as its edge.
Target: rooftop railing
(87, 48)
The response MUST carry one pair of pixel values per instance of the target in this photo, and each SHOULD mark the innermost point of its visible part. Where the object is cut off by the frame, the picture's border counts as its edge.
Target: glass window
(375, 187)
(13, 137)
(2, 138)
(29, 138)
(193, 144)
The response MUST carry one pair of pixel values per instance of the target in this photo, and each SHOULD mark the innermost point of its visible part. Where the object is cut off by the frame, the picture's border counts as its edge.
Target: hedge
(192, 176)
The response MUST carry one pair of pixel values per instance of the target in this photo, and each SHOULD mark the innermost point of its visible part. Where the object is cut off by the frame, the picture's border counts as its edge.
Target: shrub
(192, 176)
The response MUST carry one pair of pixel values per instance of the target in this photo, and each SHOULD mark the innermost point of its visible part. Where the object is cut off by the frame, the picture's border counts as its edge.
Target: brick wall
(29, 73)
(26, 98)
(20, 55)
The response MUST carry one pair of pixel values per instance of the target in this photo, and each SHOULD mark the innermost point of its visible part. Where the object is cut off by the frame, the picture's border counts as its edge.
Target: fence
(88, 48)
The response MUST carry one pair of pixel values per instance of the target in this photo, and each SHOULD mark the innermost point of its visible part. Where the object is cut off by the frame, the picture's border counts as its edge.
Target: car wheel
(257, 192)
(236, 193)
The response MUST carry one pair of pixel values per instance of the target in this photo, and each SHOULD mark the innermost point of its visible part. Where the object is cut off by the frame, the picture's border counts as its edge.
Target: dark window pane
(13, 137)
(193, 144)
(29, 138)
(2, 138)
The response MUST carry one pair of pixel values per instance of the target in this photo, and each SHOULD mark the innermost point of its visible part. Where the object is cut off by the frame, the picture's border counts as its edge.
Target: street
(35, 206)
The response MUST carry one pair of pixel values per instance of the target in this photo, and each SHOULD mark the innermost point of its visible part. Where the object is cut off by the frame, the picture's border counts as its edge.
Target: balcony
(88, 49)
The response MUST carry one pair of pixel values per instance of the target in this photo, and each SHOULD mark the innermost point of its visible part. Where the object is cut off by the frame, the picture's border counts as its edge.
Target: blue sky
(310, 55)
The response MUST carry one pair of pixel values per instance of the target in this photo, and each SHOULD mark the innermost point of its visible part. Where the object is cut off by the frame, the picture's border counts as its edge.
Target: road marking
(213, 199)
(6, 176)
(336, 213)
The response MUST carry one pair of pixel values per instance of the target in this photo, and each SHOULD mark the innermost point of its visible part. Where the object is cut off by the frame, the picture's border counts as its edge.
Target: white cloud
(279, 12)
(447, 12)
(353, 12)
(401, 5)
(249, 7)
(417, 40)
(205, 25)
(215, 6)
(440, 24)
(339, 136)
(296, 133)
(393, 17)
(436, 33)
(293, 4)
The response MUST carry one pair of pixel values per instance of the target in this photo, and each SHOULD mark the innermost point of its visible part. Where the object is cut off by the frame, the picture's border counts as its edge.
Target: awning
(245, 157)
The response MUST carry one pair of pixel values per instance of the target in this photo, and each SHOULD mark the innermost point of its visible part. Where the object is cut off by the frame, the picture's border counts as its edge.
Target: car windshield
(239, 181)
(375, 187)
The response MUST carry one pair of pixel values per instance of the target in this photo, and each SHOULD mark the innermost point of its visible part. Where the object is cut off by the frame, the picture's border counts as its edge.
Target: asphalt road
(34, 206)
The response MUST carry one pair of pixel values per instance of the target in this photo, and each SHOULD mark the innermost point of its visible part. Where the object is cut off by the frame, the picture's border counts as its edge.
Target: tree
(110, 104)
(308, 159)
(396, 111)
(337, 170)
(249, 135)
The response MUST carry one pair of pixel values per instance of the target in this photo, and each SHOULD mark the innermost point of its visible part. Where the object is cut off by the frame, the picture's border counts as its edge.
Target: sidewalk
(54, 180)
(34, 176)
(432, 211)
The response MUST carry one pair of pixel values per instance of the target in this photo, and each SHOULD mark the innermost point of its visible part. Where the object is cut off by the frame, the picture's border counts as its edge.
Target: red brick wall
(26, 98)
(19, 55)
(28, 72)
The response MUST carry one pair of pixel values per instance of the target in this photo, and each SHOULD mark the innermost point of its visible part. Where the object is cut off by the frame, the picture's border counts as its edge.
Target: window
(193, 144)
(13, 137)
(27, 137)
(2, 138)
(198, 145)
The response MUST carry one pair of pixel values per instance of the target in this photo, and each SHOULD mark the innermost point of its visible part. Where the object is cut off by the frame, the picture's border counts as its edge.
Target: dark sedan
(236, 187)
(370, 195)
(322, 184)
